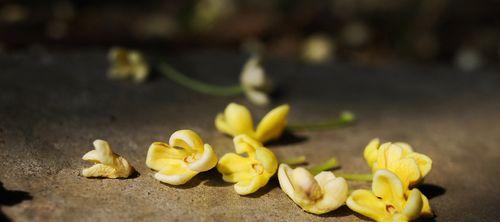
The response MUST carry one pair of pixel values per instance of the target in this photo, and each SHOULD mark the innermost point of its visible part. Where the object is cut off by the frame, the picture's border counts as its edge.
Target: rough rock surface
(52, 106)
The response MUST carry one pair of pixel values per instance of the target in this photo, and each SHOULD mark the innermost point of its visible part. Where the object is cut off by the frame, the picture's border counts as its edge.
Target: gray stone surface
(52, 106)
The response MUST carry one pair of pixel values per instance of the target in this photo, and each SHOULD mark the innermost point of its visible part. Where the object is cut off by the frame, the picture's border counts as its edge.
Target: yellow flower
(237, 120)
(411, 167)
(387, 200)
(249, 173)
(127, 64)
(181, 159)
(107, 163)
(315, 194)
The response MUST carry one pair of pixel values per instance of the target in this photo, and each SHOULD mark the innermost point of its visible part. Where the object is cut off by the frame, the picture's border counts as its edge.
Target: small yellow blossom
(107, 164)
(255, 82)
(237, 120)
(387, 201)
(127, 64)
(315, 194)
(411, 167)
(181, 159)
(249, 173)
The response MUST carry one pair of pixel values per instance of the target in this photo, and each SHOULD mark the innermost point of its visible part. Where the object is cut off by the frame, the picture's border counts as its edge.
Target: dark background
(367, 32)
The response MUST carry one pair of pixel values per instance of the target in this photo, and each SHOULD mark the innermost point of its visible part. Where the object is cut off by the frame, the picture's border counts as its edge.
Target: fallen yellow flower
(237, 120)
(249, 173)
(387, 200)
(181, 159)
(315, 194)
(411, 167)
(107, 164)
(127, 64)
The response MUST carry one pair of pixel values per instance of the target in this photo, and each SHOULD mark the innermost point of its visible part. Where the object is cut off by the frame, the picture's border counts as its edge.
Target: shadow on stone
(10, 198)
(342, 211)
(288, 138)
(431, 190)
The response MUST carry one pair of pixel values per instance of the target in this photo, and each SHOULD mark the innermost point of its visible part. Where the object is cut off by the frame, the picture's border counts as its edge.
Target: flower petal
(207, 161)
(413, 205)
(273, 124)
(160, 154)
(370, 152)
(426, 208)
(284, 175)
(408, 172)
(186, 139)
(335, 191)
(235, 168)
(387, 155)
(245, 187)
(424, 163)
(175, 172)
(366, 203)
(267, 158)
(235, 120)
(388, 186)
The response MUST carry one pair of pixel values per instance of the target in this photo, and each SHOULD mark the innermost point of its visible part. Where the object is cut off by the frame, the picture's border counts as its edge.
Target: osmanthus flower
(387, 200)
(315, 194)
(255, 82)
(237, 120)
(251, 172)
(411, 167)
(181, 159)
(107, 164)
(127, 64)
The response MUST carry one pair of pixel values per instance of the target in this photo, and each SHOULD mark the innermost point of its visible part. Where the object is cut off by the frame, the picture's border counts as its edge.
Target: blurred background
(461, 33)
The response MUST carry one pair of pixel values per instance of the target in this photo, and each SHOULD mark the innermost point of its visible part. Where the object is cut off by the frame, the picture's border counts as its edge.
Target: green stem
(356, 176)
(295, 160)
(344, 119)
(331, 163)
(198, 86)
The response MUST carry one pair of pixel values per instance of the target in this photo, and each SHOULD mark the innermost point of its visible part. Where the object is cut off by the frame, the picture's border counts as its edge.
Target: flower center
(189, 159)
(391, 209)
(258, 168)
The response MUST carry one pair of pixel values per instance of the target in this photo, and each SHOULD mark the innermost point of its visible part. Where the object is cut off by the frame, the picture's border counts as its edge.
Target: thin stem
(299, 160)
(198, 86)
(344, 119)
(331, 163)
(356, 176)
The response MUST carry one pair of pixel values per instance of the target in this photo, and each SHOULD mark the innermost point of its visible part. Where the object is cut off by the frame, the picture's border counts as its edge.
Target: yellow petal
(426, 207)
(405, 146)
(424, 163)
(245, 144)
(388, 154)
(235, 168)
(187, 139)
(245, 187)
(99, 170)
(267, 158)
(371, 150)
(413, 205)
(408, 172)
(160, 154)
(175, 172)
(101, 154)
(272, 125)
(235, 120)
(366, 203)
(206, 161)
(335, 191)
(387, 186)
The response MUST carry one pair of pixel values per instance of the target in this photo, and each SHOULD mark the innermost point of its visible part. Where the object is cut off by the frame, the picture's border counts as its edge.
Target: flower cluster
(397, 169)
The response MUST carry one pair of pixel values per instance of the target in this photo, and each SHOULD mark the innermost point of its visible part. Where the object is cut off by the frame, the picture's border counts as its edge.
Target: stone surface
(52, 106)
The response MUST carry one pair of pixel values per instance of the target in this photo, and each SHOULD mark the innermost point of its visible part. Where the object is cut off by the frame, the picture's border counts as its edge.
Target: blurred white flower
(255, 82)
